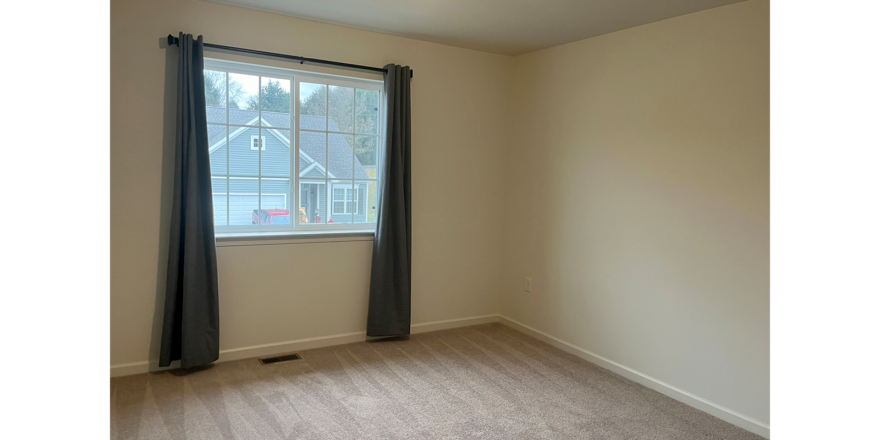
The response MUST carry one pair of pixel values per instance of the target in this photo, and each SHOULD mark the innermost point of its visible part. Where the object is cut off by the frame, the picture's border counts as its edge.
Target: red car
(271, 217)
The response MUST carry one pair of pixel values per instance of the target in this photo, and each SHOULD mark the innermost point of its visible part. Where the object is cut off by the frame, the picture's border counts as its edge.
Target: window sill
(228, 239)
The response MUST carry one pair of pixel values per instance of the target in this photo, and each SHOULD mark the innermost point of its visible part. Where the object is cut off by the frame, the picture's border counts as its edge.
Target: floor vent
(282, 358)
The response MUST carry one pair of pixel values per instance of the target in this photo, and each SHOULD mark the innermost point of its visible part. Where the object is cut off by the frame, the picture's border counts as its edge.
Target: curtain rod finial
(172, 40)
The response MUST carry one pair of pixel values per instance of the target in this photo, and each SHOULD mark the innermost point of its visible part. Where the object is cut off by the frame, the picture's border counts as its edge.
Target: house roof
(312, 144)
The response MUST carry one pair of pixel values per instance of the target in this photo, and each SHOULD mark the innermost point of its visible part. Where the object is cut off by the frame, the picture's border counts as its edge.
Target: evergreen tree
(273, 97)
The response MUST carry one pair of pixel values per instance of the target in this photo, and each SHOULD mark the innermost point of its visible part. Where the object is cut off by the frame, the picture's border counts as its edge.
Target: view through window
(264, 122)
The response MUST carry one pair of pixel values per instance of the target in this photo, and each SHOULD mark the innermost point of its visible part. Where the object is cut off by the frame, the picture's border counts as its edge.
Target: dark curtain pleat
(391, 273)
(190, 331)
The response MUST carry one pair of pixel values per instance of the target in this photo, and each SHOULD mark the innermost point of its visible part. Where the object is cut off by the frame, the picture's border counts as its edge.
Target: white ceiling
(509, 27)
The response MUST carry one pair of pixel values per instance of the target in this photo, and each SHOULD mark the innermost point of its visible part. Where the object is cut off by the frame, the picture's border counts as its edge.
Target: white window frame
(354, 200)
(262, 143)
(296, 77)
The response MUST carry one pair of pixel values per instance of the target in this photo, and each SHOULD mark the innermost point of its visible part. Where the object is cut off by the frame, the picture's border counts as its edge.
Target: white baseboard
(723, 413)
(235, 354)
(452, 323)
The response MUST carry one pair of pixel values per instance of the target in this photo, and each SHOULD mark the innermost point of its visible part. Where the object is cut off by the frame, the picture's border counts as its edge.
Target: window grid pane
(246, 110)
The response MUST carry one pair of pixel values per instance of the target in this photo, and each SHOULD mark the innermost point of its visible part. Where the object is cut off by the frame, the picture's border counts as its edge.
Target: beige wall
(280, 293)
(637, 190)
(627, 175)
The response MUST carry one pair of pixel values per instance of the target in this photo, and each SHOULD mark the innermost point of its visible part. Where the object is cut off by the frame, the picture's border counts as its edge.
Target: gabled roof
(311, 145)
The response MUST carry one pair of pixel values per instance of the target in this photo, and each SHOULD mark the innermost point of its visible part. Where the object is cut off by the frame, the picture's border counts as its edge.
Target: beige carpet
(486, 382)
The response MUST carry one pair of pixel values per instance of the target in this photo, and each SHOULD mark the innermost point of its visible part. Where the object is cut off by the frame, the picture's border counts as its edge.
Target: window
(291, 150)
(345, 201)
(258, 143)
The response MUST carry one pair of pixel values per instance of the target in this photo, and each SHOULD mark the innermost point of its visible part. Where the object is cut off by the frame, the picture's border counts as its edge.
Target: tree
(215, 86)
(364, 103)
(236, 93)
(366, 120)
(273, 97)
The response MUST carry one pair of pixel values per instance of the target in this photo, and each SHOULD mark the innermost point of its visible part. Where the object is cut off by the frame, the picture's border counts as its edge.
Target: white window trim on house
(354, 200)
(296, 77)
(262, 143)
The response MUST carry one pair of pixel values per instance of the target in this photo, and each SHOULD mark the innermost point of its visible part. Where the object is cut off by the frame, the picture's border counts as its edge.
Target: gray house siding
(218, 185)
(272, 186)
(314, 173)
(362, 204)
(238, 185)
(361, 216)
(218, 161)
(244, 161)
(236, 197)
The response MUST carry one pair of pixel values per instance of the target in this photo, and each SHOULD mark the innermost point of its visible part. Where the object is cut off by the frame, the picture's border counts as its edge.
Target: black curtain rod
(174, 41)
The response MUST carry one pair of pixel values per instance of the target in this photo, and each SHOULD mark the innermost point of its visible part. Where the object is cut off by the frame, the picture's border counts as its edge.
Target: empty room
(492, 219)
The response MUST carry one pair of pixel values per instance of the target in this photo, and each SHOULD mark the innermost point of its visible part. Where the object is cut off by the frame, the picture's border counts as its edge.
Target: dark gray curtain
(190, 331)
(391, 274)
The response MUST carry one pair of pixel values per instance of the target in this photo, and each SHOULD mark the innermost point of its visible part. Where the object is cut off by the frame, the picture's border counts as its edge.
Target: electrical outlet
(528, 284)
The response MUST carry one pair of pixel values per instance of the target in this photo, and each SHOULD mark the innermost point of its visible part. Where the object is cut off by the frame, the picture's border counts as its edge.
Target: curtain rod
(174, 41)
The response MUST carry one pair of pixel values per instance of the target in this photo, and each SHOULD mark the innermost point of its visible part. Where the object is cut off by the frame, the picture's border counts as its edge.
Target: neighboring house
(245, 149)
